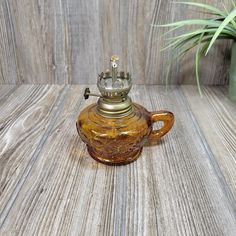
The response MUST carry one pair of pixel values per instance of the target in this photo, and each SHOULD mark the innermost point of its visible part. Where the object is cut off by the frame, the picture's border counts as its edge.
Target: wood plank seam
(171, 189)
(225, 188)
(199, 140)
(5, 96)
(78, 105)
(56, 109)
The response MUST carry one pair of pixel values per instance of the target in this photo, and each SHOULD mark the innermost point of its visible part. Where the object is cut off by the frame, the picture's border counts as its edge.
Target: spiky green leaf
(200, 31)
(223, 25)
(205, 22)
(210, 8)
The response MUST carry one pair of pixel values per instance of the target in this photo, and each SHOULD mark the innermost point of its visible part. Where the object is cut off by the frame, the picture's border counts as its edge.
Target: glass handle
(164, 116)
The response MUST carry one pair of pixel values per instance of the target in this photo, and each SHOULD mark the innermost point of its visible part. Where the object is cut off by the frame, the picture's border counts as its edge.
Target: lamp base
(123, 159)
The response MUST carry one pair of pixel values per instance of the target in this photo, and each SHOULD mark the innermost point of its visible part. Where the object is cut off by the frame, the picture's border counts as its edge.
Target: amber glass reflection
(120, 140)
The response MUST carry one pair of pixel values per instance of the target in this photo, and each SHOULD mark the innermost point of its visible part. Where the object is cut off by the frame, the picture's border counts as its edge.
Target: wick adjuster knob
(87, 93)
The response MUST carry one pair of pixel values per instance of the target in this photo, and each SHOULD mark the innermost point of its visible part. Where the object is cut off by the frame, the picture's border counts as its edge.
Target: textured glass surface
(120, 140)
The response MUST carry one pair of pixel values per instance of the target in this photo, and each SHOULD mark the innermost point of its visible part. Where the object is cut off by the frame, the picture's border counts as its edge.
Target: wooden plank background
(70, 41)
(49, 185)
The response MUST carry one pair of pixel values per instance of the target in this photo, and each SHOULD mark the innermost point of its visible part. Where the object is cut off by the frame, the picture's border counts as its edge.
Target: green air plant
(221, 25)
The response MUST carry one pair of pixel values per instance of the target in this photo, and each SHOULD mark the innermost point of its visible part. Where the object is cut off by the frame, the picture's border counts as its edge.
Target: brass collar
(114, 108)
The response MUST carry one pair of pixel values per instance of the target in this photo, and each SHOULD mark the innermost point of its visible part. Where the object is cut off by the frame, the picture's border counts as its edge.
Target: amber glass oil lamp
(115, 129)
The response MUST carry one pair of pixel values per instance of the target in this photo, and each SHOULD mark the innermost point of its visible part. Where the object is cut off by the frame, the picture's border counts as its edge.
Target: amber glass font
(120, 140)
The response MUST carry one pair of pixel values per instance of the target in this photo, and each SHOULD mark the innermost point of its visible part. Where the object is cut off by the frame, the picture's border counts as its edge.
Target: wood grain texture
(71, 41)
(215, 114)
(25, 116)
(174, 188)
(5, 92)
